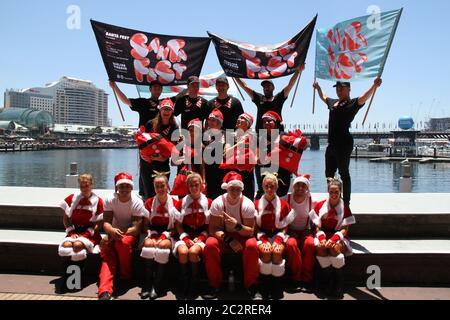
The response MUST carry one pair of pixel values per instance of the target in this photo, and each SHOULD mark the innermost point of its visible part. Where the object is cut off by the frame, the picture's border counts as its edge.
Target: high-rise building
(69, 100)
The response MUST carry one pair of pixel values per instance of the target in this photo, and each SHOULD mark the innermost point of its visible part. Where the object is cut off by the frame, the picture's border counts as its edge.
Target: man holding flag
(267, 101)
(340, 142)
(351, 50)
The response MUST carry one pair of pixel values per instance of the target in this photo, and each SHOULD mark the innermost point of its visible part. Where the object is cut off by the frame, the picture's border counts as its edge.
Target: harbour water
(49, 168)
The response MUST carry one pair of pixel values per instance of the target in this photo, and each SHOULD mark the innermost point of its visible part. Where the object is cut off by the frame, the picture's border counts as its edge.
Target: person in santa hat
(165, 124)
(230, 106)
(148, 109)
(122, 221)
(300, 248)
(83, 215)
(213, 154)
(159, 224)
(332, 218)
(242, 155)
(267, 101)
(273, 215)
(193, 231)
(272, 123)
(191, 106)
(231, 229)
(190, 159)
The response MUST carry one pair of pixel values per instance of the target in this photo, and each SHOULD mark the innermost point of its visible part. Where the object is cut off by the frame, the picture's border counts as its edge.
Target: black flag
(137, 57)
(245, 60)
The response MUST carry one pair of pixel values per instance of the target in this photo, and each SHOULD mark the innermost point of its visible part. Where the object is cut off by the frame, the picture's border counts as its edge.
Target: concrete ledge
(401, 261)
(382, 215)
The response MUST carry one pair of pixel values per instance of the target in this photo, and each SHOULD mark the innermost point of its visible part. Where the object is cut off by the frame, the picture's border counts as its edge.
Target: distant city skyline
(414, 81)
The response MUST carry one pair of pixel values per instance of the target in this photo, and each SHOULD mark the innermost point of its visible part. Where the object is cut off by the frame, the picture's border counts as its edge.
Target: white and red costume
(195, 219)
(162, 219)
(119, 252)
(214, 248)
(84, 213)
(300, 248)
(271, 218)
(331, 220)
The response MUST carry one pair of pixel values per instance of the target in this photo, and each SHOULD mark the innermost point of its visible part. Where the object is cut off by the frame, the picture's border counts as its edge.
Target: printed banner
(245, 60)
(137, 57)
(355, 49)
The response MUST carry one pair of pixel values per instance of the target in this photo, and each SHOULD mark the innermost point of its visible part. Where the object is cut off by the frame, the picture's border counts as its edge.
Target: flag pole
(139, 93)
(384, 61)
(118, 104)
(314, 97)
(239, 90)
(370, 104)
(296, 88)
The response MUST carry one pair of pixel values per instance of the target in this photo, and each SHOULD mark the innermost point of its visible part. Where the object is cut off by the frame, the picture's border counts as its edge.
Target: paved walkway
(35, 287)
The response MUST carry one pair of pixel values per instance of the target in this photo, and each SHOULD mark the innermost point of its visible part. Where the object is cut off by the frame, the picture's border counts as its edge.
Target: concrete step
(377, 215)
(409, 261)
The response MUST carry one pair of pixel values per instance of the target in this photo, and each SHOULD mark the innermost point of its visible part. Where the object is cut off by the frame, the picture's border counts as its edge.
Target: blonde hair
(193, 176)
(334, 182)
(86, 177)
(272, 177)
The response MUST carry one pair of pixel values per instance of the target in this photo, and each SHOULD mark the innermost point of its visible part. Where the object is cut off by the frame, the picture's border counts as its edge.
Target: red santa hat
(272, 115)
(232, 179)
(197, 123)
(216, 114)
(166, 103)
(303, 179)
(123, 177)
(247, 117)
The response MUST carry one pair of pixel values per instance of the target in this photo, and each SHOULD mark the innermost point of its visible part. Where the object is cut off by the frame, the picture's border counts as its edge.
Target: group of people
(272, 234)
(217, 211)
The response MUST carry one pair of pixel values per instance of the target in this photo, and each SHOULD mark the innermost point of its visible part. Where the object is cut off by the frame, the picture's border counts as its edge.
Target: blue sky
(37, 47)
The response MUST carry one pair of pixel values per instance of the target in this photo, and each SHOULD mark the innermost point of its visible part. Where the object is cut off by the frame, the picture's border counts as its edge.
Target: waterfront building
(69, 100)
(33, 120)
(439, 124)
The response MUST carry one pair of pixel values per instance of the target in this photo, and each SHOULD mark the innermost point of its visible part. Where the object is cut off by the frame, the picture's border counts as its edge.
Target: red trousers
(213, 260)
(300, 254)
(116, 252)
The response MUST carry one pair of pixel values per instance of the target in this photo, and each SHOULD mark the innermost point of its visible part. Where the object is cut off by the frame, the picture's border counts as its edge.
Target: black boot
(276, 290)
(147, 286)
(338, 291)
(184, 277)
(322, 277)
(331, 281)
(159, 281)
(195, 281)
(265, 285)
(62, 285)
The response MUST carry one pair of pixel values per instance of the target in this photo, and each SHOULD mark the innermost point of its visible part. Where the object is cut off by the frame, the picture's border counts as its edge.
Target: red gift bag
(288, 153)
(151, 144)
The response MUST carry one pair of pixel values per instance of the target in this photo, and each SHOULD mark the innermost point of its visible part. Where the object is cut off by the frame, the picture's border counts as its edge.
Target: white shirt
(123, 212)
(301, 210)
(248, 209)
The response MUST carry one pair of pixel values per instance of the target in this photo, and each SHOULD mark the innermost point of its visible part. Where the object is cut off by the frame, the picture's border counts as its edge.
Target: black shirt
(264, 105)
(190, 108)
(340, 119)
(147, 108)
(231, 109)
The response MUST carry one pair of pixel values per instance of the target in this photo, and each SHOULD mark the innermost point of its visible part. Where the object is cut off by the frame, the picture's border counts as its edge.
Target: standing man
(122, 220)
(191, 106)
(267, 101)
(340, 142)
(230, 107)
